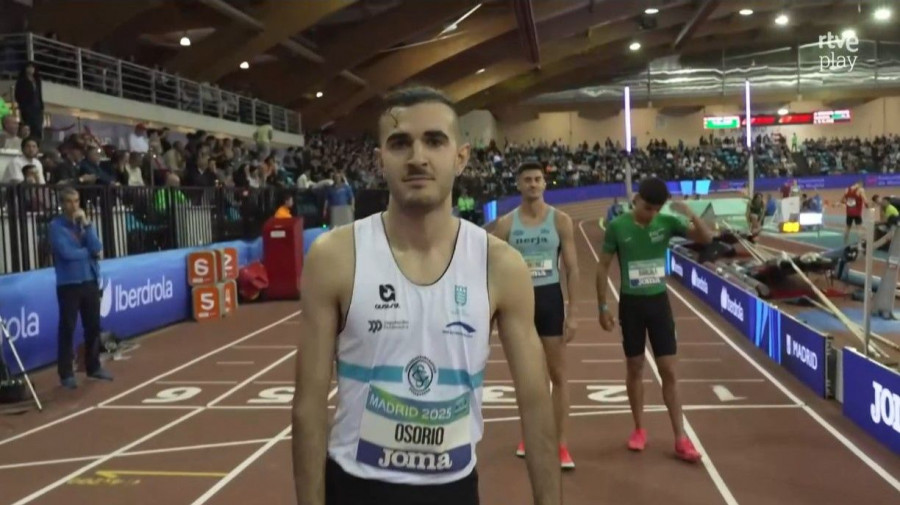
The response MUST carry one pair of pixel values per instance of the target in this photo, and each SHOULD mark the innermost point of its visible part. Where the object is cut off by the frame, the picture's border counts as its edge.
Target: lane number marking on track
(491, 394)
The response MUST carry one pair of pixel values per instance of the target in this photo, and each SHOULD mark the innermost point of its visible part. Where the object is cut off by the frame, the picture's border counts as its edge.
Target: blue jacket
(74, 251)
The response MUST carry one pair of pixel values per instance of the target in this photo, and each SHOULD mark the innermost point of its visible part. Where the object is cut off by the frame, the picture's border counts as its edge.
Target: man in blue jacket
(76, 254)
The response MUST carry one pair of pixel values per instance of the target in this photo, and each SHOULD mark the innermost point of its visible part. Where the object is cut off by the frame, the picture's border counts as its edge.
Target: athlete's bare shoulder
(330, 261)
(561, 217)
(502, 226)
(505, 266)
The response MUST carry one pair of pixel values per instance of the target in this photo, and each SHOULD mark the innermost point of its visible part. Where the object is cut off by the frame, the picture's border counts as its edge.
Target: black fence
(133, 220)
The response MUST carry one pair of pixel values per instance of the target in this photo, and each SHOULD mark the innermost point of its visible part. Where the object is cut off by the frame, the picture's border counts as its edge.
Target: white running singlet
(411, 363)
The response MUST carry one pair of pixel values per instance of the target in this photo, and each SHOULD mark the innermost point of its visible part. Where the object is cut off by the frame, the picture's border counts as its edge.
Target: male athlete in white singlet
(403, 302)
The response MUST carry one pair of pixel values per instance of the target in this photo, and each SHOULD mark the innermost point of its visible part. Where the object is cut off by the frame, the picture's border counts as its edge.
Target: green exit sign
(721, 122)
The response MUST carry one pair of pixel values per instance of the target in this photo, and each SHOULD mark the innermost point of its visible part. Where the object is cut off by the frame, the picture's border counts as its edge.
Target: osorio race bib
(407, 435)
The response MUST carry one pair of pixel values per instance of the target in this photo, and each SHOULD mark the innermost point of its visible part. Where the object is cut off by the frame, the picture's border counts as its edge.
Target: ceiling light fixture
(480, 71)
(635, 46)
(319, 94)
(651, 10)
(745, 12)
(882, 13)
(782, 20)
(185, 41)
(245, 65)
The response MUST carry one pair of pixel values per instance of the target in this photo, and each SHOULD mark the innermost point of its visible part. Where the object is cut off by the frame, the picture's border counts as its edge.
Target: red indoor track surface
(200, 414)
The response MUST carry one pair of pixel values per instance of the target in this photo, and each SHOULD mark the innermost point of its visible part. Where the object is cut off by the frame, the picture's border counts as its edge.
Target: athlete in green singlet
(640, 238)
(541, 233)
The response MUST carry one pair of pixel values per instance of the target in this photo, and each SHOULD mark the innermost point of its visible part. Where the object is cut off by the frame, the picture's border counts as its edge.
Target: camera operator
(76, 254)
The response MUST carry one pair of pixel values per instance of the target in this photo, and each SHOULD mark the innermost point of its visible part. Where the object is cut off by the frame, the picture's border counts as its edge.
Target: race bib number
(646, 273)
(539, 267)
(851, 202)
(414, 436)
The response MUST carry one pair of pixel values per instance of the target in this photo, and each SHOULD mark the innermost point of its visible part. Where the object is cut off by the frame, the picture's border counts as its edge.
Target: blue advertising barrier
(495, 208)
(872, 397)
(140, 293)
(805, 353)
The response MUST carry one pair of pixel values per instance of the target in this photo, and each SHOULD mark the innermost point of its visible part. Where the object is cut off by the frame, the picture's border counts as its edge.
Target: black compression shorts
(647, 316)
(341, 488)
(549, 310)
(854, 219)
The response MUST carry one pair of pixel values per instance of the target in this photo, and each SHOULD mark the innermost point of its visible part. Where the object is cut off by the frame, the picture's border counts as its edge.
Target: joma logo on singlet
(411, 460)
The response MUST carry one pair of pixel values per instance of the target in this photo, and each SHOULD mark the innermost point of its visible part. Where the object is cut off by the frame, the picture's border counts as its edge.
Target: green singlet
(642, 251)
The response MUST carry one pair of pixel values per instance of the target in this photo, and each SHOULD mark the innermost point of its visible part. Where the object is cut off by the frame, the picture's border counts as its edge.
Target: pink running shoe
(685, 450)
(565, 459)
(638, 440)
(520, 451)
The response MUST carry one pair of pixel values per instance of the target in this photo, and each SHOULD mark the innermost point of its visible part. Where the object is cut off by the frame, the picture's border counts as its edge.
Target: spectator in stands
(174, 157)
(76, 254)
(91, 170)
(287, 204)
(465, 204)
(67, 170)
(169, 194)
(9, 137)
(339, 204)
(263, 138)
(134, 174)
(30, 97)
(14, 173)
(137, 140)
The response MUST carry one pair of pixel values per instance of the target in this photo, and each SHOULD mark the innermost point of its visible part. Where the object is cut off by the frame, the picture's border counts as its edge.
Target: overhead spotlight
(651, 11)
(883, 13)
(480, 71)
(318, 94)
(185, 41)
(745, 12)
(849, 33)
(782, 111)
(782, 20)
(635, 46)
(245, 65)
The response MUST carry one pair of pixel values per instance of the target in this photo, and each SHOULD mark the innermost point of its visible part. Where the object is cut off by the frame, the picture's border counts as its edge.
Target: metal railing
(133, 219)
(91, 71)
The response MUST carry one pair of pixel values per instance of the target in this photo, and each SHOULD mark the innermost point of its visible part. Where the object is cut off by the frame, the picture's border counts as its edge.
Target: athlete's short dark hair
(415, 95)
(654, 191)
(530, 165)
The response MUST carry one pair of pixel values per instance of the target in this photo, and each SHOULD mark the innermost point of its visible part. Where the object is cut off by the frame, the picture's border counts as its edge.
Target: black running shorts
(647, 316)
(341, 488)
(549, 310)
(854, 219)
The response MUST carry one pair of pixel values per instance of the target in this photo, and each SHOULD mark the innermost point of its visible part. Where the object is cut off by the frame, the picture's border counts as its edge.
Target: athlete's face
(420, 154)
(531, 184)
(644, 212)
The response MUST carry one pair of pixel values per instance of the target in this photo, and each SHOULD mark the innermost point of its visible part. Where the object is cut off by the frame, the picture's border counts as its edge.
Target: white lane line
(247, 462)
(198, 383)
(230, 363)
(50, 487)
(878, 469)
(199, 358)
(689, 430)
(250, 379)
